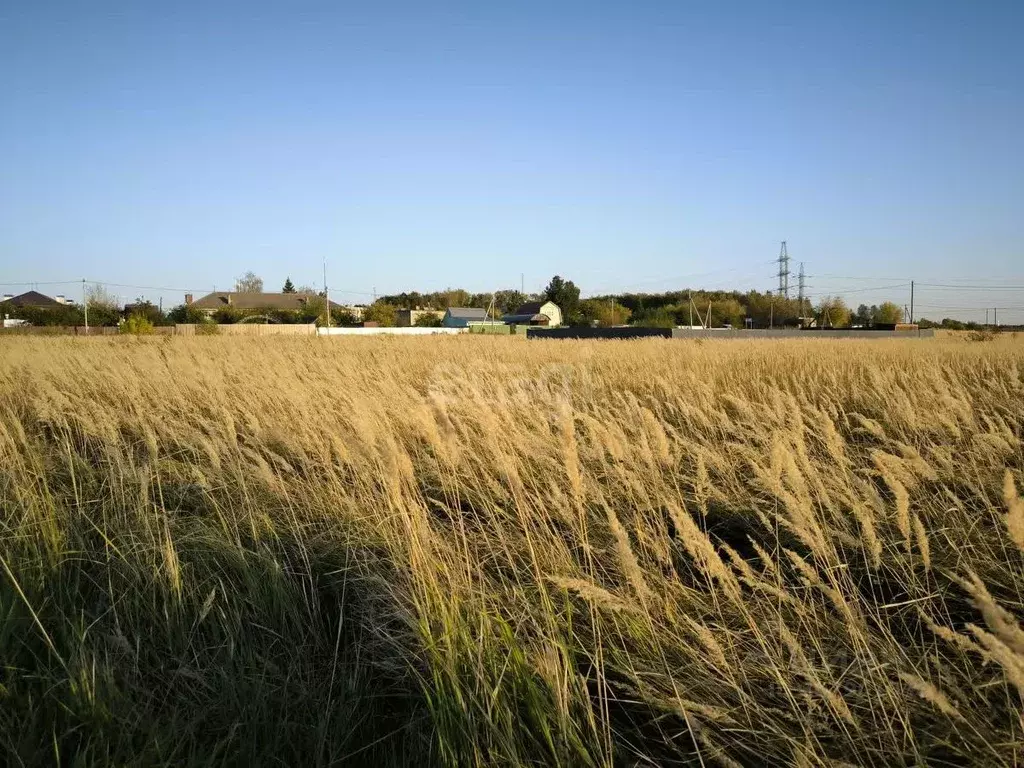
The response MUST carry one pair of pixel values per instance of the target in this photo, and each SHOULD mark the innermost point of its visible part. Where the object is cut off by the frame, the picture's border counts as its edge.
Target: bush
(137, 325)
(207, 329)
(428, 321)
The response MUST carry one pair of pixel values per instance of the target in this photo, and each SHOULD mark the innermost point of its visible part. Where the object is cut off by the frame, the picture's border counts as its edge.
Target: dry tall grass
(476, 551)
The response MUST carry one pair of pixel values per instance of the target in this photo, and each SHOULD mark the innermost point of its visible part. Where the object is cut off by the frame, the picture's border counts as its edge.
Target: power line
(51, 282)
(946, 286)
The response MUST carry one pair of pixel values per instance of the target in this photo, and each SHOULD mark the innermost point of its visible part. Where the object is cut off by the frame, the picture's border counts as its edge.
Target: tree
(428, 321)
(507, 302)
(314, 310)
(864, 315)
(288, 287)
(146, 309)
(659, 317)
(98, 295)
(566, 295)
(727, 312)
(382, 313)
(604, 313)
(832, 312)
(249, 283)
(343, 316)
(187, 313)
(453, 297)
(889, 313)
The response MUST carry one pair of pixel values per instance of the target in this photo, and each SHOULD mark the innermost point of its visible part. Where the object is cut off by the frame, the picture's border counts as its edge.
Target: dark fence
(599, 333)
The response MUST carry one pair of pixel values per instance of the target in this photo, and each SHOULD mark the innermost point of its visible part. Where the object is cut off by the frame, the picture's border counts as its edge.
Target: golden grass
(478, 551)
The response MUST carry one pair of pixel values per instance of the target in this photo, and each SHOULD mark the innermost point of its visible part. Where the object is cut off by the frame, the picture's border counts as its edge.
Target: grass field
(485, 551)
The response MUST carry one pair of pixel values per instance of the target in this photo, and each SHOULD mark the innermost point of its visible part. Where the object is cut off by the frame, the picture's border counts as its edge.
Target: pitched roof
(33, 299)
(240, 300)
(467, 313)
(517, 318)
(530, 308)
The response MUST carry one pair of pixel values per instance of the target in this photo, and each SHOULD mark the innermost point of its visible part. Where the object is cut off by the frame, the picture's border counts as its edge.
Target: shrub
(137, 325)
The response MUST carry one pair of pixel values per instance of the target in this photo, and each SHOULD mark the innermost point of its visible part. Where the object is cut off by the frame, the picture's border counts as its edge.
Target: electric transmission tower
(801, 287)
(784, 271)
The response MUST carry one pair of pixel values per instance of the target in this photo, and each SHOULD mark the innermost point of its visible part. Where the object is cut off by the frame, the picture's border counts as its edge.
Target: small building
(462, 317)
(31, 299)
(409, 317)
(536, 313)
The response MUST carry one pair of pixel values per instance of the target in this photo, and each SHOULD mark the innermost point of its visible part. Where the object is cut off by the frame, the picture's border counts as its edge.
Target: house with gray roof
(247, 302)
(463, 317)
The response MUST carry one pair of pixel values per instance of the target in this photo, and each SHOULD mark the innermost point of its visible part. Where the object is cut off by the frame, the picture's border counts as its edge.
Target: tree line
(665, 310)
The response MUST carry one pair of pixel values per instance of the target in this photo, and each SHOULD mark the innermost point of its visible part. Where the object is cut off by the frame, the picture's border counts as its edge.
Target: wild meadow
(488, 551)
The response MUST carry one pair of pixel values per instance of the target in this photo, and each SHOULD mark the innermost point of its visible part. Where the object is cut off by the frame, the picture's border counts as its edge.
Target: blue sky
(632, 146)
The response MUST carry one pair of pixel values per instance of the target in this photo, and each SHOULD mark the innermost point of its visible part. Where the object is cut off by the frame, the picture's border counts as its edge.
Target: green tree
(452, 297)
(566, 295)
(659, 317)
(888, 312)
(727, 312)
(146, 309)
(314, 310)
(428, 321)
(604, 313)
(227, 316)
(507, 302)
(832, 312)
(187, 313)
(288, 287)
(137, 325)
(382, 313)
(343, 316)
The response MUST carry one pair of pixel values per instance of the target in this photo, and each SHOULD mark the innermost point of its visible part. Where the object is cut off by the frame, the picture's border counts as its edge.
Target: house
(34, 300)
(462, 317)
(535, 313)
(255, 302)
(410, 317)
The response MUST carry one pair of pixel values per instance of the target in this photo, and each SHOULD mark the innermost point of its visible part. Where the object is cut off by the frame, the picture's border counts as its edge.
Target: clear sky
(639, 146)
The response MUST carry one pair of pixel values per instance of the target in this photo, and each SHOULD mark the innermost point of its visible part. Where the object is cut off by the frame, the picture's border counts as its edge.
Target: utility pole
(85, 306)
(784, 270)
(986, 317)
(522, 283)
(995, 316)
(327, 296)
(911, 301)
(690, 299)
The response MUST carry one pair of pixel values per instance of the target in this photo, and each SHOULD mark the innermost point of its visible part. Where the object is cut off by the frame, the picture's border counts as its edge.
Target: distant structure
(463, 317)
(784, 271)
(407, 318)
(536, 313)
(241, 300)
(34, 300)
(800, 283)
